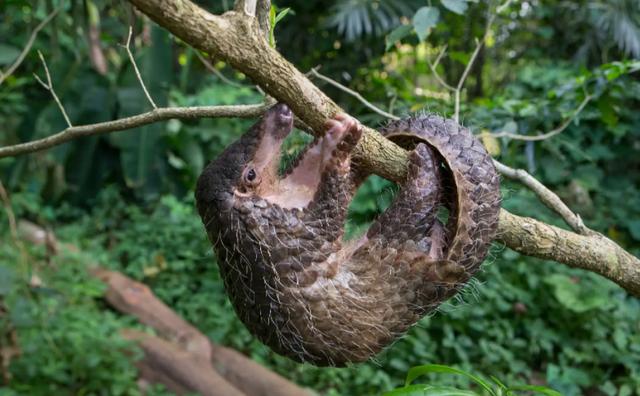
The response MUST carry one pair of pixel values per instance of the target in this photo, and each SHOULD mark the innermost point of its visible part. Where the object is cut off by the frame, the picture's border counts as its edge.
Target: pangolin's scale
(310, 296)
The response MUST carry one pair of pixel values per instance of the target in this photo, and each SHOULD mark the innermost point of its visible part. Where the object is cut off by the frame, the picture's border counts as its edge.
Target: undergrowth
(525, 321)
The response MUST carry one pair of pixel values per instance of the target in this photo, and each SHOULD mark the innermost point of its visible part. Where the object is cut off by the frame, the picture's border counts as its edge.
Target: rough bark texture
(237, 39)
(595, 252)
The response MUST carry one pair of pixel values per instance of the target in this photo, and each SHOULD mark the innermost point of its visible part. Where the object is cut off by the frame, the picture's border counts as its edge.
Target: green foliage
(126, 199)
(486, 387)
(67, 343)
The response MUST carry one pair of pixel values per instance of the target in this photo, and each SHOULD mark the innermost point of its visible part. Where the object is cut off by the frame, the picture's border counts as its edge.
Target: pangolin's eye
(251, 175)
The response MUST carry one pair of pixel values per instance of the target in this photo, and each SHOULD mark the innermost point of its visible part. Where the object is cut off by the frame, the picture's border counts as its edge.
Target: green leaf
(429, 390)
(418, 371)
(457, 6)
(274, 18)
(539, 389)
(396, 35)
(281, 15)
(424, 20)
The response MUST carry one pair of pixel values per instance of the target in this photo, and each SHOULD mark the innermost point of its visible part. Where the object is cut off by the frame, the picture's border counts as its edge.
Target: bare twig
(27, 47)
(135, 68)
(435, 73)
(465, 74)
(217, 72)
(353, 93)
(49, 87)
(550, 134)
(547, 197)
(159, 114)
(457, 90)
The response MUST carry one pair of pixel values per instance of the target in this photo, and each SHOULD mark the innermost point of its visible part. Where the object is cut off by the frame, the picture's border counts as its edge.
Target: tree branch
(551, 133)
(314, 72)
(548, 197)
(593, 252)
(135, 68)
(136, 299)
(159, 114)
(240, 42)
(49, 87)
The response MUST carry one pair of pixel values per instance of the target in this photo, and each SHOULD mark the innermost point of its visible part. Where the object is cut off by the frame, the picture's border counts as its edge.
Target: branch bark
(177, 369)
(122, 124)
(239, 41)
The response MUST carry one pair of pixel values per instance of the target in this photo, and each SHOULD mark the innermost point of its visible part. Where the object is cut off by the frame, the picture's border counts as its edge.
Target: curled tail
(470, 182)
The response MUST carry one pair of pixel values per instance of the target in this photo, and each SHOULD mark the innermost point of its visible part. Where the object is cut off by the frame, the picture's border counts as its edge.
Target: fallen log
(180, 371)
(136, 299)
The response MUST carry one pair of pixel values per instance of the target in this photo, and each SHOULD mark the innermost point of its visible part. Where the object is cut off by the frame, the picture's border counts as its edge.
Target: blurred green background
(126, 199)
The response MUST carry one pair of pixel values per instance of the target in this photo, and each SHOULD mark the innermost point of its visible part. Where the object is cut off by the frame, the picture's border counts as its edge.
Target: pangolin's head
(246, 167)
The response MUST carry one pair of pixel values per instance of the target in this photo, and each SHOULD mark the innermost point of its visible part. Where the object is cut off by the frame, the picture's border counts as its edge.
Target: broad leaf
(424, 20)
(457, 6)
(396, 35)
(418, 371)
(429, 390)
(537, 389)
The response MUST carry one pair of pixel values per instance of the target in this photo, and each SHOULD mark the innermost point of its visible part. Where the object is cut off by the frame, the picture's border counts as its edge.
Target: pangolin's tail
(471, 186)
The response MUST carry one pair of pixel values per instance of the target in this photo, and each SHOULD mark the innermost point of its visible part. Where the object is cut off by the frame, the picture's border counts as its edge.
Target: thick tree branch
(239, 41)
(593, 252)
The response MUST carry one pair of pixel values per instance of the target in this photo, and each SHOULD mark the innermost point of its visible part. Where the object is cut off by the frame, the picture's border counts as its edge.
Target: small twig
(49, 87)
(548, 197)
(353, 93)
(135, 68)
(159, 114)
(437, 76)
(27, 47)
(457, 90)
(440, 55)
(467, 70)
(217, 72)
(534, 138)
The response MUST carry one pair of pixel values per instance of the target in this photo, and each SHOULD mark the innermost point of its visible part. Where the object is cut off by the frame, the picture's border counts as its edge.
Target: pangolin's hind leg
(412, 217)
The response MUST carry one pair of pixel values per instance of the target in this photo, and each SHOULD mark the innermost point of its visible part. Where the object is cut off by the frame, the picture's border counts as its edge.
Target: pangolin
(296, 283)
